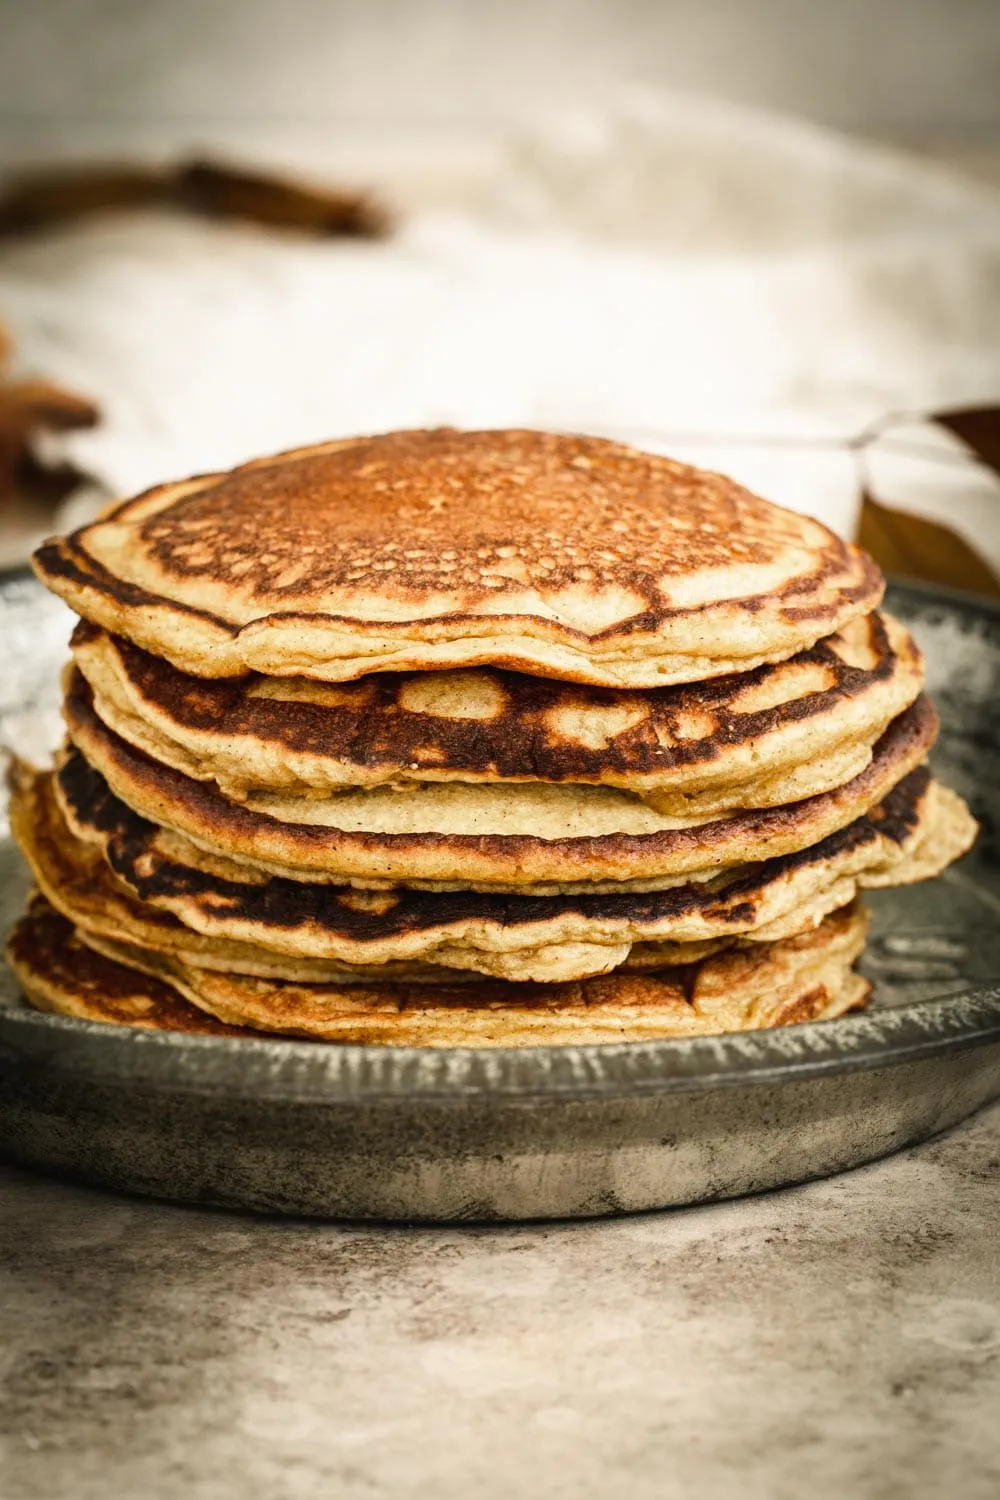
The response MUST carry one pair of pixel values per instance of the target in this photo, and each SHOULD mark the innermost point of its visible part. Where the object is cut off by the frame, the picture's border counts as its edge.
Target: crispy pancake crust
(316, 852)
(62, 975)
(801, 979)
(80, 884)
(766, 737)
(561, 556)
(913, 834)
(119, 882)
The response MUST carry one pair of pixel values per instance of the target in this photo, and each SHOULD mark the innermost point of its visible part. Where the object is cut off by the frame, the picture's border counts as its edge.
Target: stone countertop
(841, 1339)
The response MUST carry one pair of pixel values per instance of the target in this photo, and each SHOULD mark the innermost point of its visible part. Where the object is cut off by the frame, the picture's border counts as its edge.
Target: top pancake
(559, 556)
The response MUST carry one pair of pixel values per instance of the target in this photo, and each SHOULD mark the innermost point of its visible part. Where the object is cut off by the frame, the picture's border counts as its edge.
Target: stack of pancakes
(490, 738)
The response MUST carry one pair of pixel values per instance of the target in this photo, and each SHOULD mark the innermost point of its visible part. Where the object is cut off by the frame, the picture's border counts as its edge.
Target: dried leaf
(226, 192)
(45, 485)
(53, 195)
(917, 548)
(28, 407)
(979, 427)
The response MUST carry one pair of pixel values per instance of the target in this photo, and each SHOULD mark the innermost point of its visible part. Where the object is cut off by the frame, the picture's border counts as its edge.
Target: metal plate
(387, 1133)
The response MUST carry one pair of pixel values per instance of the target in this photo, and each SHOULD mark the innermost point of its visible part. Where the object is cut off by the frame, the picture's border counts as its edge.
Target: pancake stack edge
(446, 738)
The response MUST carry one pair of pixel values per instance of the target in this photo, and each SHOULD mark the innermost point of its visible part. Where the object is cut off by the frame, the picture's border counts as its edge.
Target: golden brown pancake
(492, 739)
(561, 556)
(112, 871)
(801, 979)
(62, 975)
(79, 882)
(458, 844)
(758, 739)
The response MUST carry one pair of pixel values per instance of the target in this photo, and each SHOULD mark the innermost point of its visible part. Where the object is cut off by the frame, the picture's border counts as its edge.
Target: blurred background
(762, 234)
(343, 76)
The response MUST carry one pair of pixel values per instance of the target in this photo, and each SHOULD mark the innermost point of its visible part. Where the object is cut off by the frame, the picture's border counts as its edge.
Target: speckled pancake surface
(770, 736)
(477, 836)
(568, 557)
(193, 903)
(804, 978)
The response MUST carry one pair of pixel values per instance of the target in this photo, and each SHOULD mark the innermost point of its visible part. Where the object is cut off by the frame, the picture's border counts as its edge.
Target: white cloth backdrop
(695, 277)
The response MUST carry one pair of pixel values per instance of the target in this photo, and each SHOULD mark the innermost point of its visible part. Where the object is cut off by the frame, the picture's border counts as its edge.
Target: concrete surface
(836, 1340)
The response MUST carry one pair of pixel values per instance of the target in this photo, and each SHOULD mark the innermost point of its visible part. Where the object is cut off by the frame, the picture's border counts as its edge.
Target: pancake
(475, 836)
(106, 862)
(758, 739)
(802, 979)
(559, 556)
(61, 975)
(80, 884)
